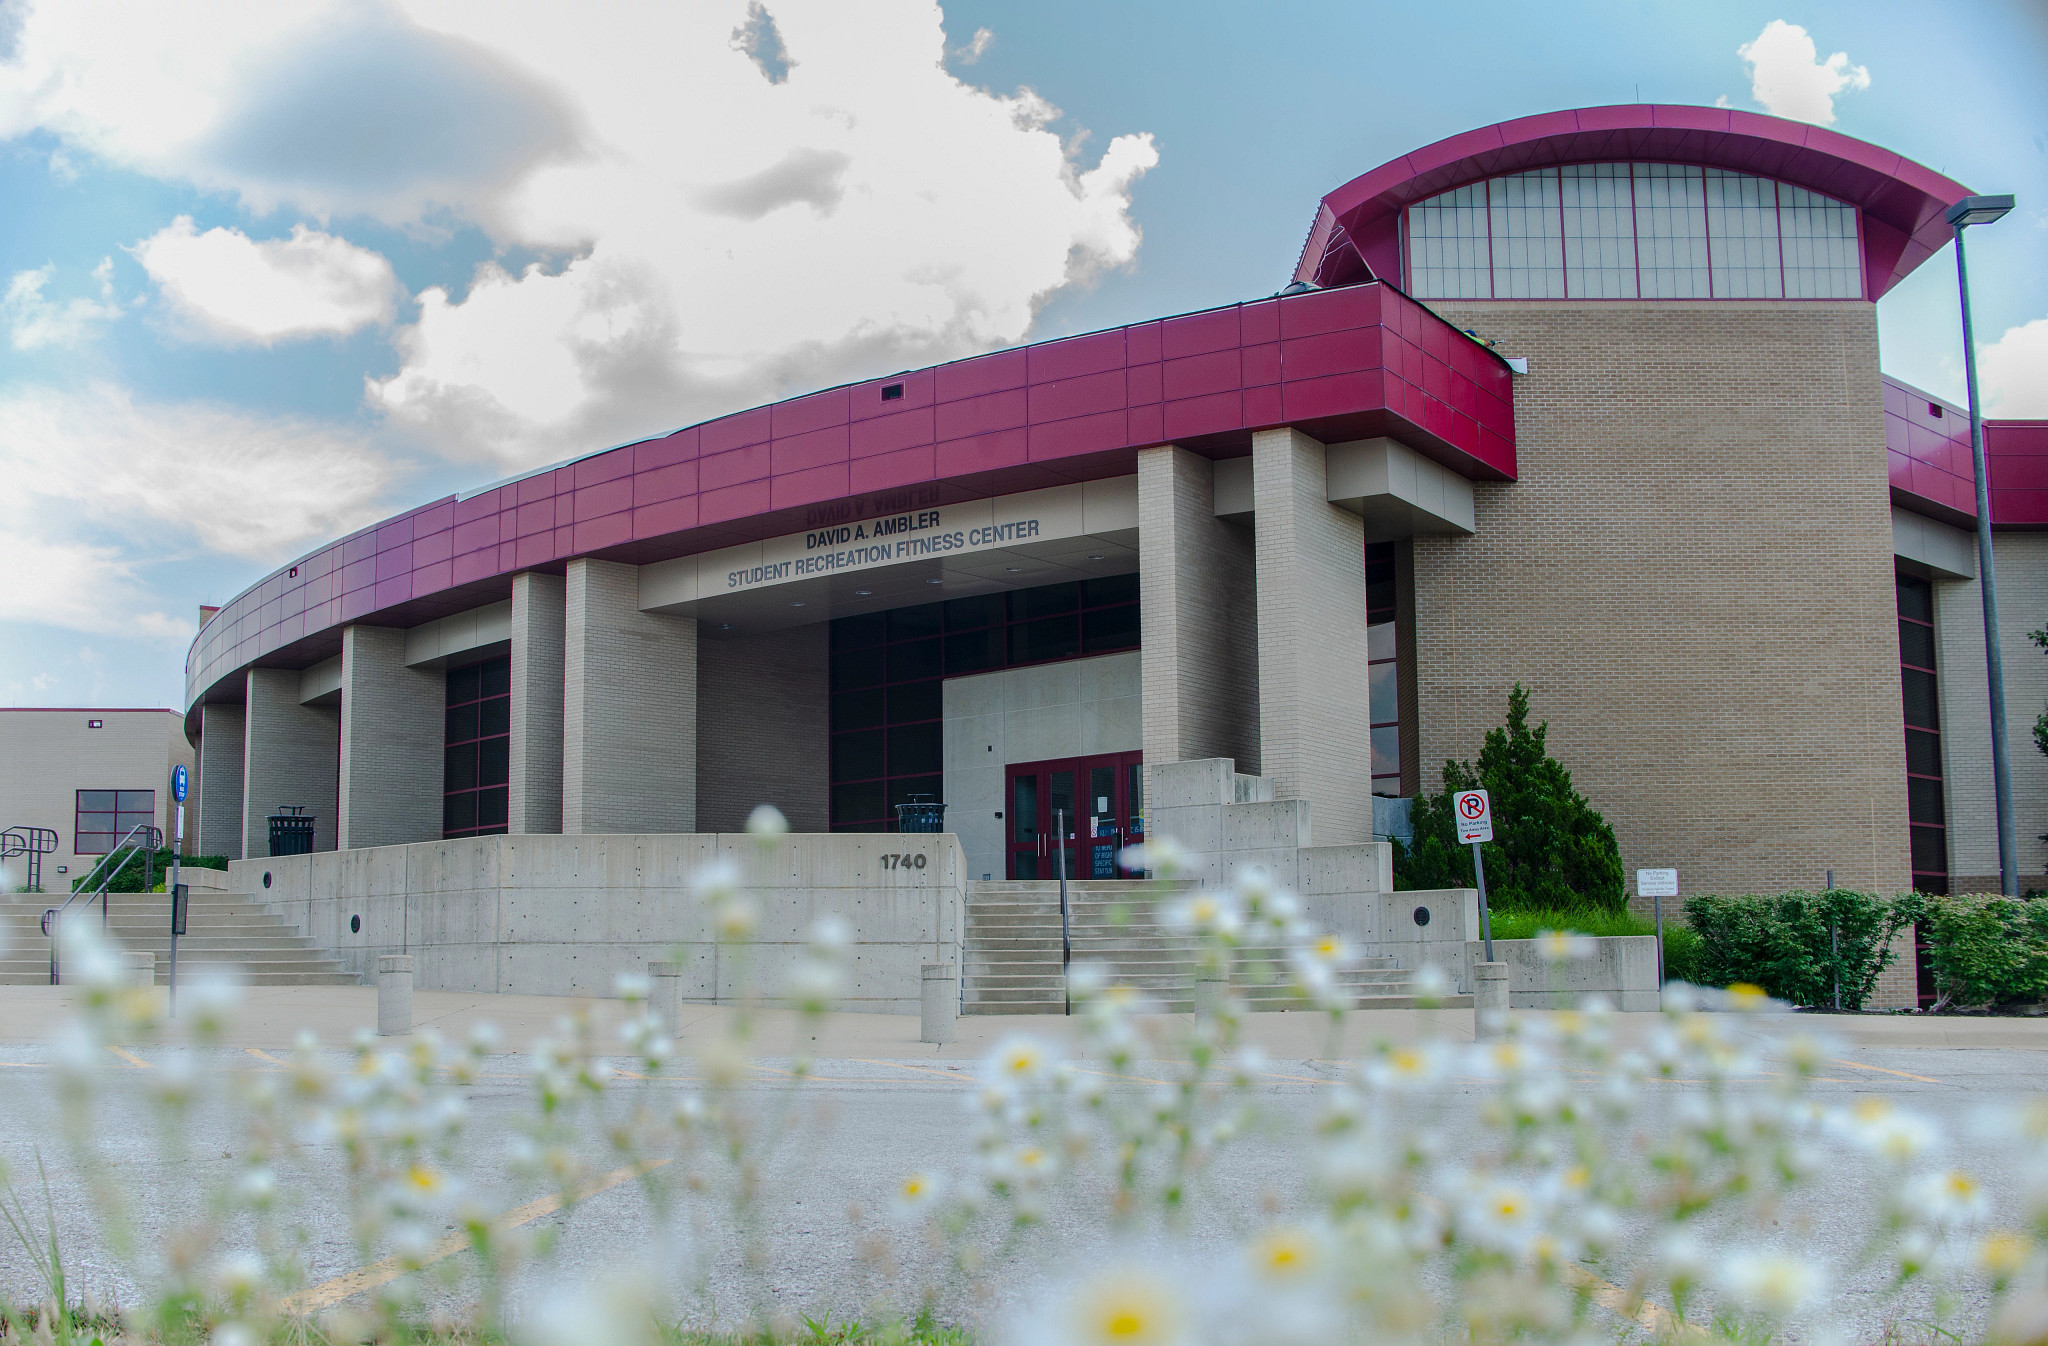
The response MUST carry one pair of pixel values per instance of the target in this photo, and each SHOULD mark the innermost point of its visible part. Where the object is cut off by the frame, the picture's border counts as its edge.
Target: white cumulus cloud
(106, 487)
(1788, 77)
(34, 322)
(232, 288)
(733, 200)
(2012, 373)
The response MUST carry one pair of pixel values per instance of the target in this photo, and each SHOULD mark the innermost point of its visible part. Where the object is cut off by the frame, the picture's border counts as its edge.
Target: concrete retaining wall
(563, 915)
(1623, 969)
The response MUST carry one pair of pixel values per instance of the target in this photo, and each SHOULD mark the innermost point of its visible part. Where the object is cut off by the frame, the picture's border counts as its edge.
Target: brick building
(1589, 401)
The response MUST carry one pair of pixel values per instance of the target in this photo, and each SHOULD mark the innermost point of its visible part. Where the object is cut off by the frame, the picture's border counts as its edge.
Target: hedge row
(1801, 947)
(129, 878)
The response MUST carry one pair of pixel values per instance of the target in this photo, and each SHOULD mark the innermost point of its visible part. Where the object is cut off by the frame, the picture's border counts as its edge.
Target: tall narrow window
(477, 745)
(1671, 231)
(1447, 245)
(1528, 254)
(1599, 231)
(1821, 256)
(1742, 227)
(1382, 669)
(1925, 806)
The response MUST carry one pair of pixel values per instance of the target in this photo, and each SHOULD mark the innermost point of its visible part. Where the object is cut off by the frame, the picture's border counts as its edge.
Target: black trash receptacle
(291, 831)
(921, 815)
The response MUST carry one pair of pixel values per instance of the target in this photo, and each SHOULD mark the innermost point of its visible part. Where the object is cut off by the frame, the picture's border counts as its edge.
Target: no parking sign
(1475, 815)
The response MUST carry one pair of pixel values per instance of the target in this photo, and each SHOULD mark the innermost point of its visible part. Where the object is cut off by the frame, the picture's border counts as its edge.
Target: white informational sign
(1656, 883)
(1475, 815)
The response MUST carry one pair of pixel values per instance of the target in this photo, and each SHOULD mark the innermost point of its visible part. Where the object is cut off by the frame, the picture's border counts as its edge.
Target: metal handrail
(54, 917)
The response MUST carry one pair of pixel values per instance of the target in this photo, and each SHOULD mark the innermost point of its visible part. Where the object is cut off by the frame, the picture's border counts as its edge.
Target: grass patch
(1682, 948)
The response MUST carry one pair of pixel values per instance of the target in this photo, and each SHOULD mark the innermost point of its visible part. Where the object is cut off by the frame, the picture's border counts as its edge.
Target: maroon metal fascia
(1338, 364)
(1356, 233)
(1927, 445)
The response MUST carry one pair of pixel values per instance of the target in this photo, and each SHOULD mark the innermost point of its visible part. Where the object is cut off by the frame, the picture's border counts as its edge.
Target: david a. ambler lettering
(894, 525)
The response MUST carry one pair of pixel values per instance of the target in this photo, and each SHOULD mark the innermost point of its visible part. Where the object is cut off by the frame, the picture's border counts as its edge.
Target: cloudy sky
(269, 271)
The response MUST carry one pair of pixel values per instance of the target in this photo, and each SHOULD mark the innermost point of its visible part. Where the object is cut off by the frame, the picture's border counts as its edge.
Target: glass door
(1100, 801)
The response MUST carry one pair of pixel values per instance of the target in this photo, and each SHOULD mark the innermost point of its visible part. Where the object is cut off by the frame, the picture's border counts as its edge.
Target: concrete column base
(665, 999)
(394, 995)
(1489, 1000)
(138, 969)
(1212, 990)
(941, 1003)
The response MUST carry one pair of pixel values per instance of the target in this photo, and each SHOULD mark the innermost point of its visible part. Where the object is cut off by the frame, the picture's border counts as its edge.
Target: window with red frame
(1382, 669)
(1926, 811)
(478, 747)
(105, 816)
(888, 669)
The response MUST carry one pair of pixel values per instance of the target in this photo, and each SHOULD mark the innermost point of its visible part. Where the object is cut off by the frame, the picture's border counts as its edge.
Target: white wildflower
(632, 987)
(1947, 1200)
(1161, 857)
(1557, 946)
(766, 823)
(1016, 1061)
(716, 883)
(1773, 1284)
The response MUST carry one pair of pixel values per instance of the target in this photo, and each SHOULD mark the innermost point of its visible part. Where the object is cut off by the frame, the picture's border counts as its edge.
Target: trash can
(921, 815)
(291, 830)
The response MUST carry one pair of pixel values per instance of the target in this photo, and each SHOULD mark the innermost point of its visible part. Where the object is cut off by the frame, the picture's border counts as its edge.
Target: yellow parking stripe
(391, 1268)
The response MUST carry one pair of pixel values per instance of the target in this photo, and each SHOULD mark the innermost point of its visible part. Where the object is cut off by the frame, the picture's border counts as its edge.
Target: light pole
(1964, 213)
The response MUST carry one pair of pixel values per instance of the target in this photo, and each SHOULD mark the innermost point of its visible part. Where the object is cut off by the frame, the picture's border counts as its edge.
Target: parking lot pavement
(877, 1105)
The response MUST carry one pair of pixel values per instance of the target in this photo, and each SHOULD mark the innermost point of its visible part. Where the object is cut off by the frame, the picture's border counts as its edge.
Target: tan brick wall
(629, 708)
(763, 728)
(1198, 603)
(535, 799)
(289, 756)
(1315, 737)
(1693, 576)
(48, 755)
(393, 728)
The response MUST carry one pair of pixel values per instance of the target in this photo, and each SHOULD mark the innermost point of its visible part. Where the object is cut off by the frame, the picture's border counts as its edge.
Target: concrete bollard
(665, 998)
(394, 994)
(1212, 990)
(940, 1005)
(1489, 1000)
(138, 969)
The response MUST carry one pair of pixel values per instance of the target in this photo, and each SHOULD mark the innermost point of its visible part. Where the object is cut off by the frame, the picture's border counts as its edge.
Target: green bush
(1551, 850)
(1985, 950)
(129, 879)
(1685, 955)
(1797, 946)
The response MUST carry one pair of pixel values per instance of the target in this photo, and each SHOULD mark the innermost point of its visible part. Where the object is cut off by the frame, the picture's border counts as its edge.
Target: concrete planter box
(1623, 970)
(565, 914)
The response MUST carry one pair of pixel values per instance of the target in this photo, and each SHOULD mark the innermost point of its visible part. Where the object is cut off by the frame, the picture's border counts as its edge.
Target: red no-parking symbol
(1475, 815)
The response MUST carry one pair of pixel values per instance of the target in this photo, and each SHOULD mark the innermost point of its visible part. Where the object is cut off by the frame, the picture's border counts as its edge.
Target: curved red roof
(1356, 235)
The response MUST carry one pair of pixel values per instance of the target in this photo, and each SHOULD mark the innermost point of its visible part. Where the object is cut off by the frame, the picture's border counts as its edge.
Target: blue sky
(268, 273)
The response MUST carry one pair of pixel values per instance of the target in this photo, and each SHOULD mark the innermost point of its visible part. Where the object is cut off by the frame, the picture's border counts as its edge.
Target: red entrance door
(1092, 807)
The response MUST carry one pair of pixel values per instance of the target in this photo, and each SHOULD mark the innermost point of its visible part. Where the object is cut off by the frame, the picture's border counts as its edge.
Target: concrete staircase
(1012, 954)
(227, 933)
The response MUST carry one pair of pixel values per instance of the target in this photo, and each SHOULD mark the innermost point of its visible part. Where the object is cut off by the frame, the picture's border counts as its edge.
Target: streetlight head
(1978, 210)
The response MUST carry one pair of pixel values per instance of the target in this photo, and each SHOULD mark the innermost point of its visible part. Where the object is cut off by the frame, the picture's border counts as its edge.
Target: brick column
(1197, 608)
(219, 820)
(289, 757)
(1315, 739)
(746, 758)
(392, 731)
(537, 611)
(629, 708)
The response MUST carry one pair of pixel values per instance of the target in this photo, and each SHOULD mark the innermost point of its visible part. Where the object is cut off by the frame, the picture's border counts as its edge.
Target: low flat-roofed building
(89, 776)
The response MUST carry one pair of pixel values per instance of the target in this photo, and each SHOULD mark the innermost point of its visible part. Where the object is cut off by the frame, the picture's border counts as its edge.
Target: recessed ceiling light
(934, 581)
(863, 592)
(1011, 570)
(1095, 558)
(796, 605)
(725, 626)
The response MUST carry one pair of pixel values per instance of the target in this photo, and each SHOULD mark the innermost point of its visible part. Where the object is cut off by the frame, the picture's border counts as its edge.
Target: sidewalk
(272, 1017)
